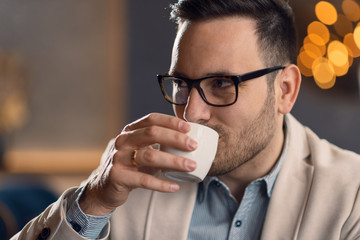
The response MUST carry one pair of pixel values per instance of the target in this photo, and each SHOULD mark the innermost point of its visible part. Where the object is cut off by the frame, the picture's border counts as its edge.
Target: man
(233, 70)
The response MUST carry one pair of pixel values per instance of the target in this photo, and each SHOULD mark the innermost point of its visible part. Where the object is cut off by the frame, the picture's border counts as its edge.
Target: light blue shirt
(86, 225)
(217, 215)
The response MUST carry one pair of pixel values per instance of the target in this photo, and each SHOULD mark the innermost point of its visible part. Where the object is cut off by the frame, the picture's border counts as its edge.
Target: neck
(259, 166)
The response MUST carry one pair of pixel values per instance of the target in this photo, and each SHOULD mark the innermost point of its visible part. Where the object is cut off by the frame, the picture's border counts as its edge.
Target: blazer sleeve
(52, 224)
(351, 229)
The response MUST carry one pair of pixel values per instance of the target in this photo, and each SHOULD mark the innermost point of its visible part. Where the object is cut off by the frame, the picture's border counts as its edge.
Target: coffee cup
(207, 139)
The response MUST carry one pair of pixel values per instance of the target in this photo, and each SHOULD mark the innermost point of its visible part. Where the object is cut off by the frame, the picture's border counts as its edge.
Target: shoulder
(321, 154)
(326, 154)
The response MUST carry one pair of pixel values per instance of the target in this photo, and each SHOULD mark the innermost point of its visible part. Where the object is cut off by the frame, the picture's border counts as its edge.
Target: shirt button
(238, 223)
(76, 226)
(45, 233)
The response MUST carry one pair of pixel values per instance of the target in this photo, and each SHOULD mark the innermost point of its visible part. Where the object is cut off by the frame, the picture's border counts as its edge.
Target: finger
(158, 159)
(159, 119)
(154, 134)
(153, 159)
(134, 179)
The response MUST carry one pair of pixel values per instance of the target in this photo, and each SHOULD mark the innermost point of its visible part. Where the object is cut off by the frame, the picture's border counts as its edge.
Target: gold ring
(133, 157)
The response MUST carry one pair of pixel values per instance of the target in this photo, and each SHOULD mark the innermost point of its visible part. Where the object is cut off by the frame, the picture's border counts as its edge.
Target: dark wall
(150, 42)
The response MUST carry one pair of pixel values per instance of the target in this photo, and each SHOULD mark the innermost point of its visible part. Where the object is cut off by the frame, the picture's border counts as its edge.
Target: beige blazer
(316, 196)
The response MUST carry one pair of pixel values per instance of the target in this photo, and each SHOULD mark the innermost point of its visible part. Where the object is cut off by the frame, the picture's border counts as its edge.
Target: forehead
(227, 44)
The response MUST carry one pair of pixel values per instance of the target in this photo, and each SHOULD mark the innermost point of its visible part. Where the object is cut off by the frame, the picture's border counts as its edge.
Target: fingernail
(184, 127)
(190, 165)
(192, 144)
(174, 187)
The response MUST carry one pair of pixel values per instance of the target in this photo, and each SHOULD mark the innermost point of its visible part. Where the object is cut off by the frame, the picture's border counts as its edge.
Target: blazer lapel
(292, 187)
(169, 215)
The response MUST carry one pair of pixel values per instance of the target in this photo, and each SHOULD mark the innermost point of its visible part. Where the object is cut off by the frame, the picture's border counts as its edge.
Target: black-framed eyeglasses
(218, 91)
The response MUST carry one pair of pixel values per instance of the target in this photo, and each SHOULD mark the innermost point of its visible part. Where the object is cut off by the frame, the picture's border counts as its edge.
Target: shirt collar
(269, 179)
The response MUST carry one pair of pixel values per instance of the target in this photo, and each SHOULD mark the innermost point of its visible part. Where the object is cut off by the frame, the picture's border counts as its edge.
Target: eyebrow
(177, 74)
(219, 73)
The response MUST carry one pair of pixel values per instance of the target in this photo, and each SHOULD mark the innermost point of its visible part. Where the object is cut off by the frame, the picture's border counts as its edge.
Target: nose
(196, 109)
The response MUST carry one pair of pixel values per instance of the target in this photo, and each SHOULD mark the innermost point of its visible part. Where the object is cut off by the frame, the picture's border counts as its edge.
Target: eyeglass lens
(215, 90)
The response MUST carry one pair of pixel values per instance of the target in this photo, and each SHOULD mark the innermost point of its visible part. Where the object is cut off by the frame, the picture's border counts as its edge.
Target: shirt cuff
(88, 226)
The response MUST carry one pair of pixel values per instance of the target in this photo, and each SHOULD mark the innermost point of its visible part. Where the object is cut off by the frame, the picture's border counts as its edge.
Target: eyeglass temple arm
(260, 73)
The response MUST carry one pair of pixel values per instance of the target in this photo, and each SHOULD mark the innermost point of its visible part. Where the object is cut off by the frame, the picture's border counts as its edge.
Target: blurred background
(73, 73)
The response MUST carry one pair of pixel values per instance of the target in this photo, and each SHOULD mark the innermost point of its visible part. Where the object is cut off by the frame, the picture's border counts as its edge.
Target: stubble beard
(237, 149)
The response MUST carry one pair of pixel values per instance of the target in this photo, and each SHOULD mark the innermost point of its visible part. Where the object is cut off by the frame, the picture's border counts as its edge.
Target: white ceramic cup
(207, 139)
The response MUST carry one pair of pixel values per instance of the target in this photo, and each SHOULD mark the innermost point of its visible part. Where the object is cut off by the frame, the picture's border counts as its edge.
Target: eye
(221, 83)
(178, 83)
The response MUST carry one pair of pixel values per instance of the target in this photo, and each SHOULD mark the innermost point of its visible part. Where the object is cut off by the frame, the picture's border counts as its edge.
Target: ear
(288, 85)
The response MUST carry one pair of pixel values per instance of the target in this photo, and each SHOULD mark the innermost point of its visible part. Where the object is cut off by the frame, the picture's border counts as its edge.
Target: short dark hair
(274, 22)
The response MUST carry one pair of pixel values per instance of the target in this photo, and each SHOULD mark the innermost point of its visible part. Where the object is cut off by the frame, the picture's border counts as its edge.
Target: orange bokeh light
(321, 47)
(326, 12)
(307, 72)
(342, 70)
(357, 35)
(327, 85)
(351, 10)
(318, 33)
(313, 49)
(351, 58)
(324, 73)
(327, 54)
(307, 58)
(349, 41)
(338, 54)
(343, 25)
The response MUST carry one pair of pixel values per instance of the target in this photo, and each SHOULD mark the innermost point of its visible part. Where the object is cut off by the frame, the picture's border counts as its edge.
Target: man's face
(226, 46)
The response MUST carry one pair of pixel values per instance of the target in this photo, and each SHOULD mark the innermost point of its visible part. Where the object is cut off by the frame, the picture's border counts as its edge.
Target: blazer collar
(292, 187)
